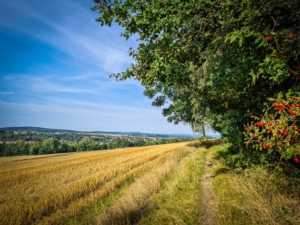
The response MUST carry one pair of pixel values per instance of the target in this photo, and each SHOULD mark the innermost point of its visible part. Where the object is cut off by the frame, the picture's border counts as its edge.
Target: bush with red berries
(278, 131)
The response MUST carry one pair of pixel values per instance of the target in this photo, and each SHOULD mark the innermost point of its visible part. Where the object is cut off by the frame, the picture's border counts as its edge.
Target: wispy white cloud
(86, 83)
(42, 85)
(82, 77)
(103, 107)
(91, 117)
(72, 90)
(6, 93)
(98, 81)
(79, 37)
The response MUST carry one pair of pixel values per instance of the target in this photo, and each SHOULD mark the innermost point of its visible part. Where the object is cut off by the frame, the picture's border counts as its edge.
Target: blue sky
(55, 62)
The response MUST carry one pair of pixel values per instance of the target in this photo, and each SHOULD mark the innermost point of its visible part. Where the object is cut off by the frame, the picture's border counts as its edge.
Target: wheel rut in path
(208, 216)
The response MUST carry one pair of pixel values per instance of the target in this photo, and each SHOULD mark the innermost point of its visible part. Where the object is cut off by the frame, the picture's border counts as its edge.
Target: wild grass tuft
(205, 143)
(256, 195)
(179, 202)
(130, 207)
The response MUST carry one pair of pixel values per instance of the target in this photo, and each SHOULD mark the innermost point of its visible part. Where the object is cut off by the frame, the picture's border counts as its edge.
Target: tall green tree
(88, 145)
(2, 148)
(21, 148)
(34, 148)
(49, 146)
(216, 61)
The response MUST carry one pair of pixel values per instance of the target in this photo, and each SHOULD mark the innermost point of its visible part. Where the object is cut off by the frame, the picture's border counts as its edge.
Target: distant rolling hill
(35, 129)
(50, 130)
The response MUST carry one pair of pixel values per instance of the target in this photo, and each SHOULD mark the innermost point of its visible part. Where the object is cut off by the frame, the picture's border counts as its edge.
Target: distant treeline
(8, 136)
(40, 136)
(53, 145)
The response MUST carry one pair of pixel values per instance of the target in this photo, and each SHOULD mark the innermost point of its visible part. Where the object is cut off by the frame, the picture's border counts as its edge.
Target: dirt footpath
(208, 215)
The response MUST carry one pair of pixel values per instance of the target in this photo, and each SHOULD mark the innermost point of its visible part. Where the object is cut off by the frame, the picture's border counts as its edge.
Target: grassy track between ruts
(179, 200)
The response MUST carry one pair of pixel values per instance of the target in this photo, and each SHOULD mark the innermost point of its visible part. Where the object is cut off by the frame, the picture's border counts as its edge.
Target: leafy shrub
(275, 136)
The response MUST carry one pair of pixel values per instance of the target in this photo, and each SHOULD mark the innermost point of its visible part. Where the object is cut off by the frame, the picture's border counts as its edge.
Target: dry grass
(28, 157)
(52, 190)
(179, 202)
(128, 209)
(256, 196)
(241, 201)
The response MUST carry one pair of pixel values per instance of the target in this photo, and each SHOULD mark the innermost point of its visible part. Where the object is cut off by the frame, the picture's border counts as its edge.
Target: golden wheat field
(58, 189)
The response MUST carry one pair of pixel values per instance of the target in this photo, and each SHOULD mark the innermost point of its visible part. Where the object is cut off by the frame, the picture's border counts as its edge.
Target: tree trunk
(203, 130)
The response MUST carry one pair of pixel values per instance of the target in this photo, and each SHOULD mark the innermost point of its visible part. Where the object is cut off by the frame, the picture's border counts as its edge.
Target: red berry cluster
(284, 132)
(260, 124)
(289, 38)
(287, 107)
(282, 54)
(278, 130)
(269, 38)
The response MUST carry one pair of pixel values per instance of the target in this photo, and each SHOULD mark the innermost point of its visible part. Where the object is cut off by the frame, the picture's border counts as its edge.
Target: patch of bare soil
(208, 216)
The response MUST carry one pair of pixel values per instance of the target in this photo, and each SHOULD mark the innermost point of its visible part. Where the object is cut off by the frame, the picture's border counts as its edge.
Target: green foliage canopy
(214, 60)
